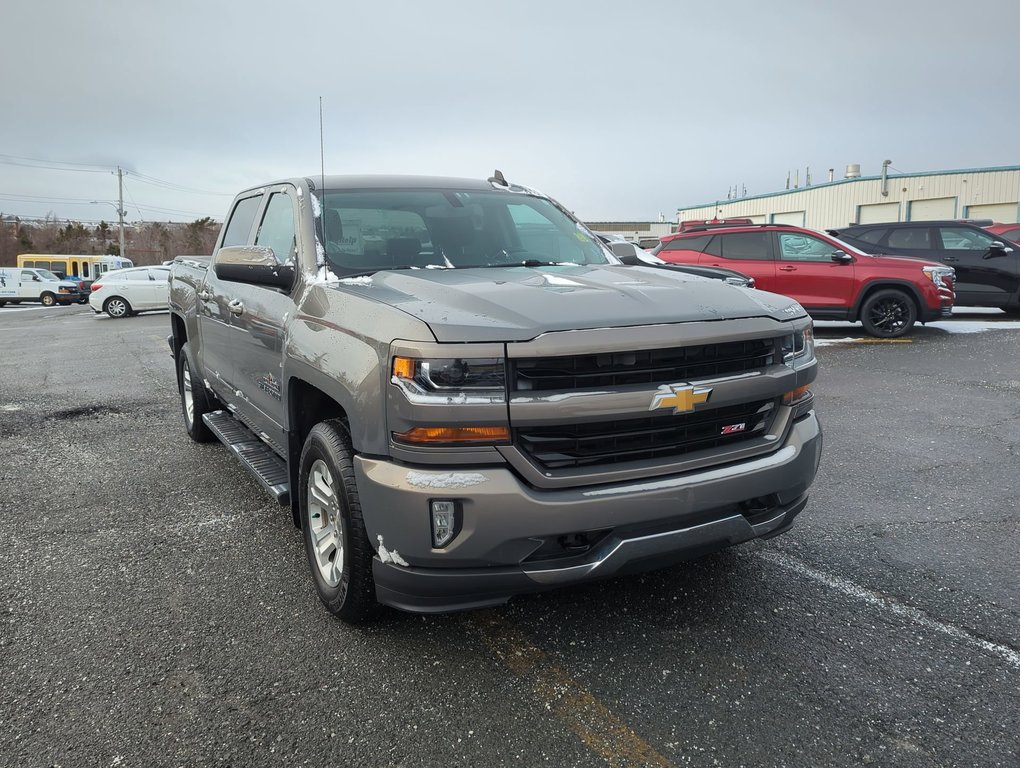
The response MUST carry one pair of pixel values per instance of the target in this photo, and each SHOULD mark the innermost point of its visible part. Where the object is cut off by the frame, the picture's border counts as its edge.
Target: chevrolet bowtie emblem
(680, 397)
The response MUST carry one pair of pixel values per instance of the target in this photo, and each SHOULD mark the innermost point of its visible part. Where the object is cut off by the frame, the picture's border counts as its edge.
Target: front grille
(653, 437)
(650, 366)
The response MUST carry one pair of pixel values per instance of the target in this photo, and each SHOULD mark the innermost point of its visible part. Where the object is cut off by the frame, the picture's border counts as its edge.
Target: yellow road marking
(590, 720)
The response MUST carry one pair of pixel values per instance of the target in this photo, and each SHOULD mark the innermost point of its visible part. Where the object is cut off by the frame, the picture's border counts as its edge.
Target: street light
(120, 218)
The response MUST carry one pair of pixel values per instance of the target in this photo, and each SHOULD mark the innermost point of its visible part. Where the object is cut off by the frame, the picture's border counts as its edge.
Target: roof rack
(730, 225)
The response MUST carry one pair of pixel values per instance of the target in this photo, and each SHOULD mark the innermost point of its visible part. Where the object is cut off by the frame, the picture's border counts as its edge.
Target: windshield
(368, 231)
(46, 274)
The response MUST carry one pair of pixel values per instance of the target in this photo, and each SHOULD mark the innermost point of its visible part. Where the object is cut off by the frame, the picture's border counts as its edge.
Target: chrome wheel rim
(189, 395)
(116, 307)
(324, 524)
(48, 301)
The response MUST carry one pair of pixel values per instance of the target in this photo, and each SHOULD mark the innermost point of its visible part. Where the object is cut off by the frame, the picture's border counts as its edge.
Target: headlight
(451, 379)
(799, 348)
(943, 277)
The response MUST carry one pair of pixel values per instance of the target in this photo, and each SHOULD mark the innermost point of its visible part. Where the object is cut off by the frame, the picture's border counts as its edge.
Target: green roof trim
(835, 182)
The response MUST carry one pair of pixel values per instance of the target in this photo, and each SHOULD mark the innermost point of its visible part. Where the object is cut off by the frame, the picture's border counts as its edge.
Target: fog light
(444, 522)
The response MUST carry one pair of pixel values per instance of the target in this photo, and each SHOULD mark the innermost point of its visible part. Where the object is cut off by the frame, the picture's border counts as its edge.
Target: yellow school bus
(82, 266)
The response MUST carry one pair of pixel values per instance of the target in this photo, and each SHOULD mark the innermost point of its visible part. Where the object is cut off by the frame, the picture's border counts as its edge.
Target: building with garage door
(974, 193)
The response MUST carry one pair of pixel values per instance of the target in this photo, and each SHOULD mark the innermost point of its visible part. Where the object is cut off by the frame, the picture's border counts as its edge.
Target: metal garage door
(934, 208)
(790, 217)
(878, 213)
(763, 219)
(1004, 212)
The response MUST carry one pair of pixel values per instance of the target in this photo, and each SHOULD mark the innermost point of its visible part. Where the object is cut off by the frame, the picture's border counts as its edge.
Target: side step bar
(254, 455)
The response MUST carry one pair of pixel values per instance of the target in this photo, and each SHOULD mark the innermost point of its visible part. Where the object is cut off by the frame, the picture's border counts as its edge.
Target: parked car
(831, 279)
(463, 397)
(987, 267)
(18, 285)
(127, 292)
(634, 255)
(1009, 231)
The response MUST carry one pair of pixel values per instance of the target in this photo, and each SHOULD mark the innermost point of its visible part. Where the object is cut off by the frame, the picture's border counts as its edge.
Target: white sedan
(128, 291)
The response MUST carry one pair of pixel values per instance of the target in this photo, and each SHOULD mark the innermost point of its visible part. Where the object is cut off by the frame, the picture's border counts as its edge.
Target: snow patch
(316, 208)
(10, 408)
(360, 280)
(557, 280)
(445, 480)
(390, 557)
(969, 326)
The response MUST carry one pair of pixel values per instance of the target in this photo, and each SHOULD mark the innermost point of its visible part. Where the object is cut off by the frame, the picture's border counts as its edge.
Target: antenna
(322, 179)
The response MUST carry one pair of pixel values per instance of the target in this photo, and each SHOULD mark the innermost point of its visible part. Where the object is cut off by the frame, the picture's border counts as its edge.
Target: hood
(520, 303)
(898, 260)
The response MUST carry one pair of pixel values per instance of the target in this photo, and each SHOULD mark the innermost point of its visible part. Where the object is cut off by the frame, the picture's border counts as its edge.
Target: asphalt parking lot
(157, 610)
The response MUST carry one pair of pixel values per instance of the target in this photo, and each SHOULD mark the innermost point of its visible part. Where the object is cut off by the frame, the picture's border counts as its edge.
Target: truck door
(215, 331)
(257, 316)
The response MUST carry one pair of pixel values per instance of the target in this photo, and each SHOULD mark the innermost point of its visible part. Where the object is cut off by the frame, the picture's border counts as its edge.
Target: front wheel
(194, 399)
(337, 546)
(888, 313)
(48, 299)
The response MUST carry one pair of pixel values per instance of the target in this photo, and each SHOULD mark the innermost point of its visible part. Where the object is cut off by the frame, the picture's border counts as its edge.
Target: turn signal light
(403, 367)
(453, 435)
(795, 396)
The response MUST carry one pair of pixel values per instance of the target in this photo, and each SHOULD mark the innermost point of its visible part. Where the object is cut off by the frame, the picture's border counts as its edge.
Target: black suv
(987, 267)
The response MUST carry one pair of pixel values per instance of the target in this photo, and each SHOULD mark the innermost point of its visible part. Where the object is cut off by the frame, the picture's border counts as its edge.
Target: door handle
(235, 307)
(205, 295)
(787, 269)
(950, 258)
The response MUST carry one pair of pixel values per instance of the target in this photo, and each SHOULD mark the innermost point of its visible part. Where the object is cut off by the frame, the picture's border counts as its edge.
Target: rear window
(910, 237)
(239, 226)
(749, 246)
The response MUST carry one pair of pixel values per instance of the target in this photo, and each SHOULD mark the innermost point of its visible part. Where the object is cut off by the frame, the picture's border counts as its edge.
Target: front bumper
(506, 525)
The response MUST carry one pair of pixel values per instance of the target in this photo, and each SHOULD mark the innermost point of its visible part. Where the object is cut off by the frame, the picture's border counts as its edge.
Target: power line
(64, 165)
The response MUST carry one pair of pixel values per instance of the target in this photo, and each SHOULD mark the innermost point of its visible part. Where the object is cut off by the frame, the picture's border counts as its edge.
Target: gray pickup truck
(463, 395)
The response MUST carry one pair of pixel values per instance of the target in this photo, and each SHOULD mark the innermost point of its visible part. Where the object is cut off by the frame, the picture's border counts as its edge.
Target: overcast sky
(622, 110)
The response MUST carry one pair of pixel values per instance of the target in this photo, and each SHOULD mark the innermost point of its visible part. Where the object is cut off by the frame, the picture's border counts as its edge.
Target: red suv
(1008, 231)
(831, 279)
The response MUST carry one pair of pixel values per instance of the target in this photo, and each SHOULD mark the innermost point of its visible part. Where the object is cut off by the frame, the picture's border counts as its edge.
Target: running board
(254, 455)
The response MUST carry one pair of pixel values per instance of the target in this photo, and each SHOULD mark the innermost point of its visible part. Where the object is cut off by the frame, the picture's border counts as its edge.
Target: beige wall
(835, 205)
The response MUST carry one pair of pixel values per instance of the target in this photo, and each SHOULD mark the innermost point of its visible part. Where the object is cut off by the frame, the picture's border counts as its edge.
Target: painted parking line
(590, 720)
(889, 605)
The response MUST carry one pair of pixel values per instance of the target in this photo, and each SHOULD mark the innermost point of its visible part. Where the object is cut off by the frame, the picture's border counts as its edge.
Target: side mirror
(1000, 246)
(36, 278)
(630, 259)
(841, 257)
(254, 264)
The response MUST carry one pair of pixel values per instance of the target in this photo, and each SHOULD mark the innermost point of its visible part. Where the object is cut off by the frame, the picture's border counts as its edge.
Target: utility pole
(120, 209)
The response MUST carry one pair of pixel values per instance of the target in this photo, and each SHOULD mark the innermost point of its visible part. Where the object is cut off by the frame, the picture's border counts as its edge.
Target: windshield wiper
(369, 272)
(525, 263)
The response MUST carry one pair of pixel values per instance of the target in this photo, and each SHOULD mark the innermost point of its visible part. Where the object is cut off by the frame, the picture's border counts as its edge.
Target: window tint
(910, 237)
(688, 243)
(751, 246)
(241, 220)
(871, 236)
(277, 228)
(963, 239)
(795, 246)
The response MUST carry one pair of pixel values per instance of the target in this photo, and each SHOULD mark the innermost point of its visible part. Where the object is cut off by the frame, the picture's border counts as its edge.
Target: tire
(117, 307)
(48, 299)
(3, 303)
(346, 588)
(888, 313)
(195, 401)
